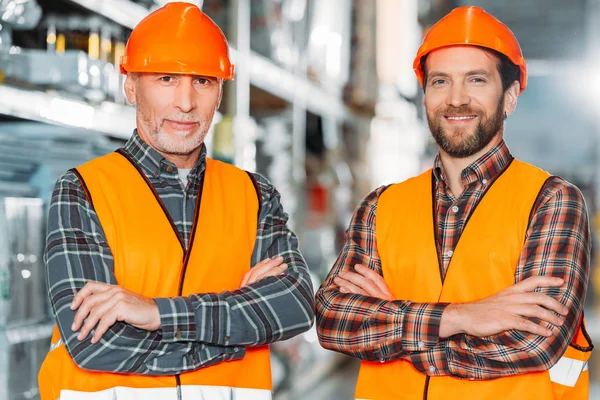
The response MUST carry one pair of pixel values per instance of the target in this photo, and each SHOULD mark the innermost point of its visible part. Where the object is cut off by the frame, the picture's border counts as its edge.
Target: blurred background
(325, 104)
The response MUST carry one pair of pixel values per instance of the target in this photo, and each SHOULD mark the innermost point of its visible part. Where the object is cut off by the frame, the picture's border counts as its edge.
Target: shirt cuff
(421, 326)
(177, 319)
(435, 366)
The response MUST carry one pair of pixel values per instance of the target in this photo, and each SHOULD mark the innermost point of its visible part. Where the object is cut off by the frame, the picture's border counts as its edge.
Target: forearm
(76, 253)
(125, 349)
(272, 309)
(373, 329)
(510, 353)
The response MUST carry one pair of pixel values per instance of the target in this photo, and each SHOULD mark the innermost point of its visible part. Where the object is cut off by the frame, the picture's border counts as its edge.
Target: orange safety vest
(484, 262)
(150, 260)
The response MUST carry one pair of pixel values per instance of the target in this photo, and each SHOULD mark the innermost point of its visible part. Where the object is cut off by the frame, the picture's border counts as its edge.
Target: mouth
(462, 119)
(181, 125)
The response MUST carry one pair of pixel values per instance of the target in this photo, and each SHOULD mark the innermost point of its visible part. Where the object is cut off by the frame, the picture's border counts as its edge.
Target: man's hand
(102, 305)
(506, 310)
(269, 267)
(364, 281)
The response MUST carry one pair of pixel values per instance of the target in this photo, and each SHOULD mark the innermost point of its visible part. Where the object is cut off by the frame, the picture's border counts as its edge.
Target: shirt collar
(485, 169)
(154, 164)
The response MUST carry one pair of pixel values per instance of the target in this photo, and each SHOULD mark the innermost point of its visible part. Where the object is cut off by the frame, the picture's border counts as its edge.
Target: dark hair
(509, 72)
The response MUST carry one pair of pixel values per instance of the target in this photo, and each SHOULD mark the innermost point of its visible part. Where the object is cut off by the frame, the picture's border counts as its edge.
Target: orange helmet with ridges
(178, 39)
(470, 25)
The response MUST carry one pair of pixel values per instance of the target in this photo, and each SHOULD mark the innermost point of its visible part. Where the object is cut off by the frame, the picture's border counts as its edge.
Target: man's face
(174, 112)
(464, 99)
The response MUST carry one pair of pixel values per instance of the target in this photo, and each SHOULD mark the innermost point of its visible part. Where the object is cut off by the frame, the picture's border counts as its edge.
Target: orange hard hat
(178, 38)
(470, 25)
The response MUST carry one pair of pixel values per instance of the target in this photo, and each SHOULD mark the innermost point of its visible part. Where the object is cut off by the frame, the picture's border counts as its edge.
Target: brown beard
(485, 131)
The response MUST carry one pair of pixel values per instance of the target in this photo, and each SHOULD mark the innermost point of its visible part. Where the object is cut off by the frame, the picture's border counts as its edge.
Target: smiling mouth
(460, 117)
(182, 125)
(182, 122)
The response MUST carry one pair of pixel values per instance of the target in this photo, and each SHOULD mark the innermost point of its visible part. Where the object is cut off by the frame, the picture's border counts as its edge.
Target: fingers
(89, 289)
(87, 305)
(358, 280)
(540, 313)
(268, 263)
(349, 287)
(534, 282)
(247, 276)
(98, 313)
(108, 319)
(365, 285)
(375, 278)
(267, 267)
(274, 271)
(542, 300)
(523, 324)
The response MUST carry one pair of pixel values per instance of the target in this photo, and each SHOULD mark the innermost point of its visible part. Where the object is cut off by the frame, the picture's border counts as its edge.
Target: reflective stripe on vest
(150, 259)
(567, 371)
(187, 392)
(484, 262)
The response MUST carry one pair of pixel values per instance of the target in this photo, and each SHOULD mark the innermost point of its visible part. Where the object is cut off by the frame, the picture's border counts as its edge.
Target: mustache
(459, 110)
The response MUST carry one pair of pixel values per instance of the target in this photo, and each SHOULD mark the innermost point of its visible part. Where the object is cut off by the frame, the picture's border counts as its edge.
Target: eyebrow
(159, 74)
(469, 73)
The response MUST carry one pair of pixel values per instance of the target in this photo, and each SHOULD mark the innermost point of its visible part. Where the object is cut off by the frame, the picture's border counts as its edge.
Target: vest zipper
(426, 388)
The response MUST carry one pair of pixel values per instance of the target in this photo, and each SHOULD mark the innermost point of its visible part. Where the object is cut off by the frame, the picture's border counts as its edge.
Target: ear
(510, 97)
(130, 88)
(220, 94)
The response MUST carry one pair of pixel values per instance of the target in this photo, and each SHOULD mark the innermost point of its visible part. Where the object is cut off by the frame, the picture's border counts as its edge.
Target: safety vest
(150, 259)
(484, 262)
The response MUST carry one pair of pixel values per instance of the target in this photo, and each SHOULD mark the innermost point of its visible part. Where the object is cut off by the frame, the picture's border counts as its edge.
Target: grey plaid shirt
(198, 330)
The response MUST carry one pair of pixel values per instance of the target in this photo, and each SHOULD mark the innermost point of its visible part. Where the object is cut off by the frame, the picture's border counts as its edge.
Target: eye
(167, 78)
(437, 82)
(478, 80)
(203, 81)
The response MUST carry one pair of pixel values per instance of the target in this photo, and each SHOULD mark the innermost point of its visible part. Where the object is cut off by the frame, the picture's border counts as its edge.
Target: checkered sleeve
(557, 244)
(76, 253)
(367, 327)
(271, 309)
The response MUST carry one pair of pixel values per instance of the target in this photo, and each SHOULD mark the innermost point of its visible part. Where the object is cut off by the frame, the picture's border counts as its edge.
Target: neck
(186, 161)
(453, 166)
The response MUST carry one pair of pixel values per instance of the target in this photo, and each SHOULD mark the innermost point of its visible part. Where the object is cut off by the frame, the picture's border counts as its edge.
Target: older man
(149, 249)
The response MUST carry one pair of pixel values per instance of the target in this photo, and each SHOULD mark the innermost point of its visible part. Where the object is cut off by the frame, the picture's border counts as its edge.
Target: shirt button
(169, 169)
(455, 209)
(431, 368)
(227, 340)
(449, 253)
(155, 174)
(421, 345)
(484, 181)
(178, 335)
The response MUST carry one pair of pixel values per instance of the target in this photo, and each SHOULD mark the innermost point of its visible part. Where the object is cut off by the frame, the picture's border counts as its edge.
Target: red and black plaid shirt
(557, 244)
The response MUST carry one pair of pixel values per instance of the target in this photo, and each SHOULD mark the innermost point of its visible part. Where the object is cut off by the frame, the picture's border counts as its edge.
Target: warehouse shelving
(110, 118)
(264, 74)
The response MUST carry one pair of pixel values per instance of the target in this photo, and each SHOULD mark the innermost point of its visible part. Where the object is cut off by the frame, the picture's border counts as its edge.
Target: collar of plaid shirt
(154, 164)
(487, 167)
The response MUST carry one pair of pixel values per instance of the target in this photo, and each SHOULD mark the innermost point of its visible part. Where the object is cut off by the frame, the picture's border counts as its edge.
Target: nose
(185, 99)
(458, 96)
